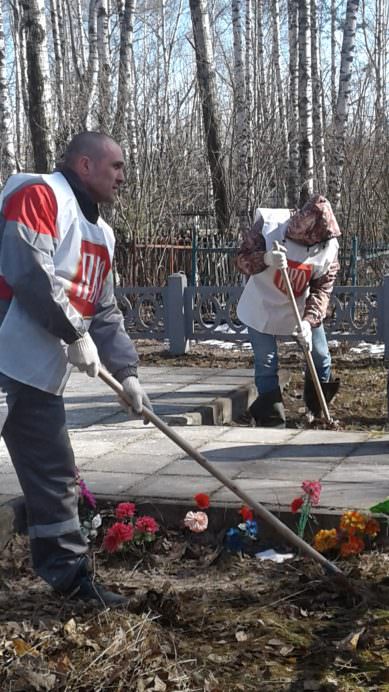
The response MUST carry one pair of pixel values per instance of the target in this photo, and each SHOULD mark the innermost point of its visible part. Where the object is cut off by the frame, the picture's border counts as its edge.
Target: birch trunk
(7, 149)
(104, 66)
(59, 87)
(240, 117)
(318, 130)
(305, 98)
(88, 97)
(206, 77)
(39, 91)
(249, 104)
(20, 102)
(293, 136)
(333, 57)
(275, 12)
(342, 105)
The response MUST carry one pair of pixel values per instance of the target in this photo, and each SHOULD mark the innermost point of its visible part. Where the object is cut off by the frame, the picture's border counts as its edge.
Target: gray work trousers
(33, 426)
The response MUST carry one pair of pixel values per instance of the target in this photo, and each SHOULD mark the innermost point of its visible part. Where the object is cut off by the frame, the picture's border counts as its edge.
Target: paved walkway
(126, 459)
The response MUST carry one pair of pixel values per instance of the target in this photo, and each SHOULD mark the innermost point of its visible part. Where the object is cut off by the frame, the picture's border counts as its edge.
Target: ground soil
(200, 619)
(360, 404)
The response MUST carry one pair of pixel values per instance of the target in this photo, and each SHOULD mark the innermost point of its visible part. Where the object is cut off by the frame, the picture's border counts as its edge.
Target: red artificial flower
(146, 525)
(202, 500)
(372, 528)
(246, 513)
(353, 546)
(124, 510)
(117, 535)
(313, 489)
(297, 504)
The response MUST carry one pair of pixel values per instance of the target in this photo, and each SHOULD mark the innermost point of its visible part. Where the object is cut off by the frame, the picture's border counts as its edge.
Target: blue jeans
(266, 358)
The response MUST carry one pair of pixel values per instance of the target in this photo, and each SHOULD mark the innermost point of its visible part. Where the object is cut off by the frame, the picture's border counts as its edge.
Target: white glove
(83, 354)
(304, 337)
(276, 258)
(136, 393)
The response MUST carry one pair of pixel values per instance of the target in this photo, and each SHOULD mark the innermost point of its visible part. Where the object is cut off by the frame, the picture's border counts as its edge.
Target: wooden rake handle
(307, 353)
(259, 510)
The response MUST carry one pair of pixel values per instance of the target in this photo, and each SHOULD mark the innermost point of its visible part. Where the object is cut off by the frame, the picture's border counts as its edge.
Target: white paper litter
(273, 555)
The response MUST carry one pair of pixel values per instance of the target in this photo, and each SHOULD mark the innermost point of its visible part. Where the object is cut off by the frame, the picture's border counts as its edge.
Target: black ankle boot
(311, 399)
(268, 410)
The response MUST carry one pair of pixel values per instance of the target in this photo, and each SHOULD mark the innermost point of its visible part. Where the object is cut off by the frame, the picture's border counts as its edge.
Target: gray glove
(137, 394)
(83, 354)
(276, 258)
(304, 337)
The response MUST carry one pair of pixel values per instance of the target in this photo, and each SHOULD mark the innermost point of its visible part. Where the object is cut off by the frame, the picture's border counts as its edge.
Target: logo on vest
(299, 277)
(89, 278)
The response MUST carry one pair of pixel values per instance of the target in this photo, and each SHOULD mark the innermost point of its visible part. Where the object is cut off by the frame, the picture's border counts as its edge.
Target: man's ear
(83, 165)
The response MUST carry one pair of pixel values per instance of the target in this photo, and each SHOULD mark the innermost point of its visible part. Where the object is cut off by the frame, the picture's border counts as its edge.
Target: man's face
(103, 175)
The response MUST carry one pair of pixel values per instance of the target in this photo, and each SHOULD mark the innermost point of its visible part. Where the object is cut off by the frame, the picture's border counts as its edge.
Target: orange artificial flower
(202, 500)
(353, 546)
(372, 528)
(353, 521)
(326, 539)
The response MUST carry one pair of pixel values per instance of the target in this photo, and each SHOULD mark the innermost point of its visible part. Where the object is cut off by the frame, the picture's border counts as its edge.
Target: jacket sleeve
(28, 242)
(320, 292)
(116, 350)
(252, 250)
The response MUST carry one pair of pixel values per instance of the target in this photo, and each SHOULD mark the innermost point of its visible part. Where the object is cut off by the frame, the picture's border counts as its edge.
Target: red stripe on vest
(33, 206)
(6, 292)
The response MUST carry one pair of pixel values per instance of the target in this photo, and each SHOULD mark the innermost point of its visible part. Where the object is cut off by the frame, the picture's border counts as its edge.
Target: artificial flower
(313, 490)
(372, 528)
(124, 510)
(196, 521)
(146, 524)
(353, 546)
(86, 493)
(326, 539)
(246, 513)
(116, 535)
(352, 521)
(202, 500)
(297, 504)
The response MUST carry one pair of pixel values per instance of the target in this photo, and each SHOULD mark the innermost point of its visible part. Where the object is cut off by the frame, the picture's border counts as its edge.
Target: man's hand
(136, 394)
(276, 258)
(83, 354)
(304, 337)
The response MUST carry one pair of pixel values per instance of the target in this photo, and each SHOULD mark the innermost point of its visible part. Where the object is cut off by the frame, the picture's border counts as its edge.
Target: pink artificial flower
(196, 521)
(313, 489)
(86, 493)
(124, 510)
(146, 525)
(117, 535)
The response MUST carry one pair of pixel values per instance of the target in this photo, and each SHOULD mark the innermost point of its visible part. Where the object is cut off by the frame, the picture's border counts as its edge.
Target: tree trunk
(39, 91)
(206, 77)
(305, 97)
(318, 133)
(7, 150)
(293, 136)
(347, 56)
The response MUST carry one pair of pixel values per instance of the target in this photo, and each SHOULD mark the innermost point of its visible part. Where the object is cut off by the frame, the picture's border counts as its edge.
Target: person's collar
(89, 208)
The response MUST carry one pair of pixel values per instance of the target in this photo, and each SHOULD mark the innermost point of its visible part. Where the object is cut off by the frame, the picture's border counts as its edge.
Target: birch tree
(7, 149)
(342, 105)
(317, 111)
(212, 126)
(240, 117)
(305, 97)
(293, 119)
(39, 89)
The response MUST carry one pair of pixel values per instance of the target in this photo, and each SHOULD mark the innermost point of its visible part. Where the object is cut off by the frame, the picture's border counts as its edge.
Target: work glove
(276, 258)
(83, 354)
(304, 337)
(136, 394)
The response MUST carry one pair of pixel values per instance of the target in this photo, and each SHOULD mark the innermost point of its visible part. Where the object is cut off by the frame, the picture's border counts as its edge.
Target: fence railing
(179, 313)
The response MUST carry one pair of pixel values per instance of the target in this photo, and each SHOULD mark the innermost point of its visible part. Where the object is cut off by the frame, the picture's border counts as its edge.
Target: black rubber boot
(311, 399)
(268, 410)
(92, 592)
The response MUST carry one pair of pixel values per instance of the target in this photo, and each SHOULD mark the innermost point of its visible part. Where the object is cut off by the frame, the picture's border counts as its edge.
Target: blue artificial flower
(252, 528)
(233, 540)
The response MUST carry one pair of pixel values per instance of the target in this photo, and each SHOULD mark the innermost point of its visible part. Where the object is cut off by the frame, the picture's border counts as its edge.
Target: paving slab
(122, 458)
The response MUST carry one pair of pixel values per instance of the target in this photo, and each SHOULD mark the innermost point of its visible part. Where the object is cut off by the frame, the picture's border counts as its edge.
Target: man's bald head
(91, 144)
(98, 161)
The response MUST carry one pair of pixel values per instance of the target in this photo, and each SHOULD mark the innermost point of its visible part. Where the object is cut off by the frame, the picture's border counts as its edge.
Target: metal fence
(179, 313)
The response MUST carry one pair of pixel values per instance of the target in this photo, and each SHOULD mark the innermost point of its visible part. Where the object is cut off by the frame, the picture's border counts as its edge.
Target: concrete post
(176, 332)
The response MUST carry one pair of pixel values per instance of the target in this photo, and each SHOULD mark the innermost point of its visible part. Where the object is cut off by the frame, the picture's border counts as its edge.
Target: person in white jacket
(58, 310)
(309, 251)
